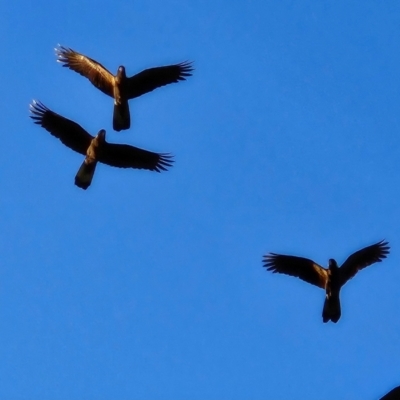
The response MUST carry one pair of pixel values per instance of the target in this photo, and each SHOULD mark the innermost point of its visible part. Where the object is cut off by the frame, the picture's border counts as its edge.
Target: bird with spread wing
(119, 86)
(331, 279)
(96, 149)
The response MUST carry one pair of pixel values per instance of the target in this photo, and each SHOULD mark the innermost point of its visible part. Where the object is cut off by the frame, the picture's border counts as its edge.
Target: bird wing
(303, 268)
(87, 67)
(363, 258)
(152, 78)
(69, 132)
(125, 156)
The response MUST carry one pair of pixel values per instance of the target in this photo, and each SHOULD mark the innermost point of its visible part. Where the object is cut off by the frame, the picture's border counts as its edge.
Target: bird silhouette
(331, 279)
(96, 149)
(119, 86)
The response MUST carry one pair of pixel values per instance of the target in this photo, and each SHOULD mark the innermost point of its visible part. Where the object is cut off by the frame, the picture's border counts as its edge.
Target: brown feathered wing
(87, 67)
(302, 268)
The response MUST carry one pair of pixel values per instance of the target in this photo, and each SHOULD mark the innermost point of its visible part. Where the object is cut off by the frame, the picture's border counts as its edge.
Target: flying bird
(119, 86)
(331, 279)
(96, 149)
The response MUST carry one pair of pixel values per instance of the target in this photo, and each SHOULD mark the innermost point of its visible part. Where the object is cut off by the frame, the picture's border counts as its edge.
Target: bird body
(121, 116)
(119, 86)
(332, 310)
(85, 174)
(330, 279)
(96, 149)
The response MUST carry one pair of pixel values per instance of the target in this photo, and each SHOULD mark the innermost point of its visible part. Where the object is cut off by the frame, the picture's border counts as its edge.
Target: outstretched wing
(152, 78)
(303, 268)
(69, 132)
(363, 258)
(125, 156)
(87, 67)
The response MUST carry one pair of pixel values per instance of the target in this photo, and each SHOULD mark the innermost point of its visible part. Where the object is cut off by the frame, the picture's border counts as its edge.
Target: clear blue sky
(151, 286)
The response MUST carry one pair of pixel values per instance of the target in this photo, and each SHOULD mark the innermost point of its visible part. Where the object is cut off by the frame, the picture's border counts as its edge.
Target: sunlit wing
(87, 67)
(126, 156)
(302, 268)
(362, 259)
(152, 78)
(69, 132)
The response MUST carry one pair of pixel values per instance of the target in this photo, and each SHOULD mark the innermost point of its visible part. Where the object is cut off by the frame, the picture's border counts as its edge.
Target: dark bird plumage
(96, 149)
(330, 279)
(121, 87)
(394, 394)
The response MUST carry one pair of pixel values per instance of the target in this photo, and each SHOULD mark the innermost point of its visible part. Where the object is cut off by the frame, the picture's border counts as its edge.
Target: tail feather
(121, 117)
(84, 176)
(331, 310)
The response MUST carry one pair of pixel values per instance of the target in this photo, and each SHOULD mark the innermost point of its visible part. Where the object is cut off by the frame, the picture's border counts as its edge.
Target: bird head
(121, 72)
(332, 264)
(101, 136)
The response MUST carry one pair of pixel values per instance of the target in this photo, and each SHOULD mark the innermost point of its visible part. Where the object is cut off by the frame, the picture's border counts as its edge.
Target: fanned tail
(331, 310)
(84, 177)
(121, 117)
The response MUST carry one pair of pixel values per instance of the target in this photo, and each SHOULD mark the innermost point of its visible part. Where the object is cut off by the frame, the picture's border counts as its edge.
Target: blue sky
(151, 286)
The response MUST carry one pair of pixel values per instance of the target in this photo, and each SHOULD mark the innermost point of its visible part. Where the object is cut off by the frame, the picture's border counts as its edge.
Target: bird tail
(84, 177)
(121, 117)
(331, 310)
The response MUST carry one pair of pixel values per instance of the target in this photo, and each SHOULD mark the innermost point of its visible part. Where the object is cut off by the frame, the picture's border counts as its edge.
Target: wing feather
(300, 267)
(126, 156)
(69, 132)
(152, 78)
(87, 67)
(362, 259)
